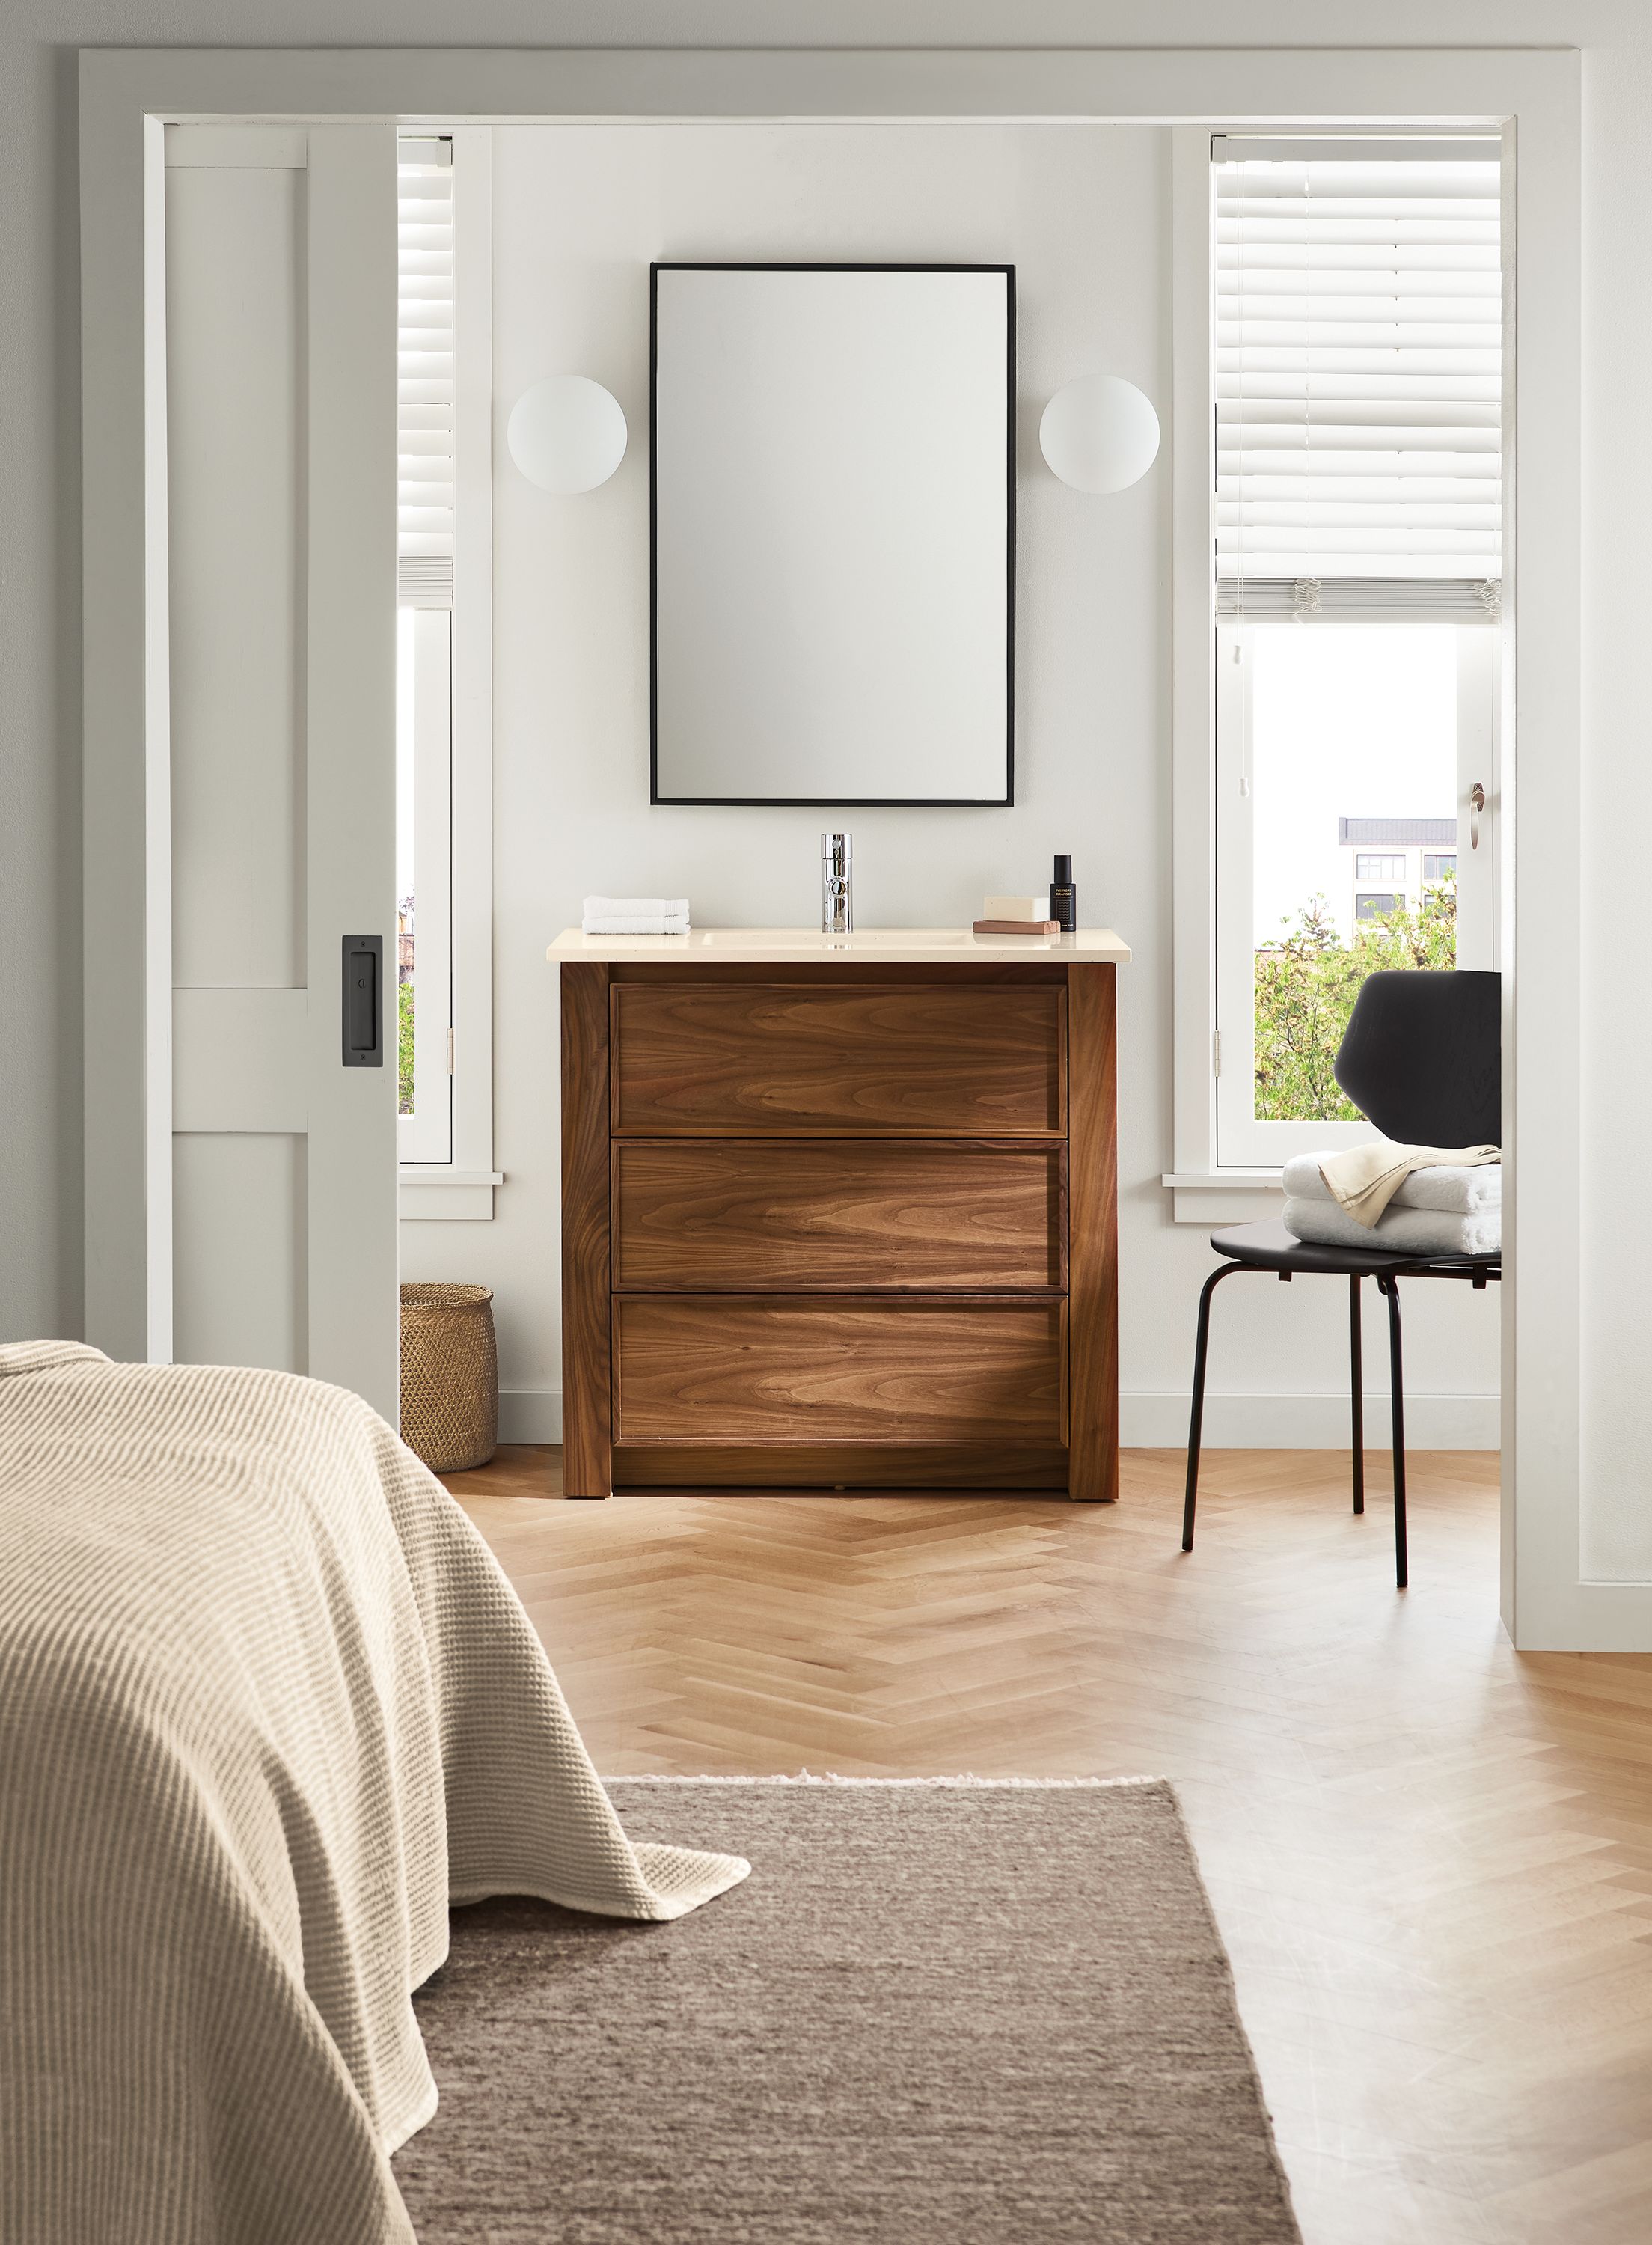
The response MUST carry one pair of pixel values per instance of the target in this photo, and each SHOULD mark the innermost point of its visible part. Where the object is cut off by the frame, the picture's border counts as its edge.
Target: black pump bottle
(1064, 898)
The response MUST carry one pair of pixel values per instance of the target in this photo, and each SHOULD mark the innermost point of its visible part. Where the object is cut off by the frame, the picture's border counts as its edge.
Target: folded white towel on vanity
(1401, 1231)
(635, 916)
(1449, 1189)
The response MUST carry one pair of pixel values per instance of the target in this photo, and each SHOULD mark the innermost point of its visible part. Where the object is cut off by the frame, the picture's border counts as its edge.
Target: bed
(267, 1706)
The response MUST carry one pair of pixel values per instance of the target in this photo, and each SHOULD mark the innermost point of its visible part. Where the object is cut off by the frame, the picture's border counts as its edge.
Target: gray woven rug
(981, 2014)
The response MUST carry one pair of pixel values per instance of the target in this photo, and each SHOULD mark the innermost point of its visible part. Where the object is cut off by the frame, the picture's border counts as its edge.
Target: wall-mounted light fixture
(568, 433)
(1100, 433)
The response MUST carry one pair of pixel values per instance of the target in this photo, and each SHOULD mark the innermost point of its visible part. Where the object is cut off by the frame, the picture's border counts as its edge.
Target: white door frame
(1533, 94)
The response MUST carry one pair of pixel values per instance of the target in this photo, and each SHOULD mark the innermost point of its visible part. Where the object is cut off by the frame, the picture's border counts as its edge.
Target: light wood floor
(1431, 1857)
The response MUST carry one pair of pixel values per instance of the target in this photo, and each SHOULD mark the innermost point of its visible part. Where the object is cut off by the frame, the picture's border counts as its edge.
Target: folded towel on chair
(635, 916)
(1452, 1189)
(1365, 1178)
(1420, 1231)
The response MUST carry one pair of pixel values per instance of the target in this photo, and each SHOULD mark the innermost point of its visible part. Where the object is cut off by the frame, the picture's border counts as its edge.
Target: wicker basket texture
(449, 1375)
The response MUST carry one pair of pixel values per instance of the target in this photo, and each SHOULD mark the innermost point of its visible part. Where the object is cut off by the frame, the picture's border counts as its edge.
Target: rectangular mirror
(833, 517)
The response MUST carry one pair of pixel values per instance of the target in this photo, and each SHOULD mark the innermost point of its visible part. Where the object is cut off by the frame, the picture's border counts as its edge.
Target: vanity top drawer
(711, 1369)
(925, 1060)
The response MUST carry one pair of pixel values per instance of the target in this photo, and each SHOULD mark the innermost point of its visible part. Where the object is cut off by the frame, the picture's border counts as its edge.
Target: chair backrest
(1422, 1057)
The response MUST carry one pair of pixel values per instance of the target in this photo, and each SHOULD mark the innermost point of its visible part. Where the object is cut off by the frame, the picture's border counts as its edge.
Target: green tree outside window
(404, 1048)
(1306, 985)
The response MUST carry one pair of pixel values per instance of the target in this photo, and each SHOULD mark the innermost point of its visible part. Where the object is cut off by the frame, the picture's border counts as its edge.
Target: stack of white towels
(1439, 1207)
(635, 916)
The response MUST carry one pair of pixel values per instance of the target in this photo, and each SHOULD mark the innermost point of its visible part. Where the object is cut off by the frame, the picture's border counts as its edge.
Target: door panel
(237, 1249)
(281, 346)
(235, 400)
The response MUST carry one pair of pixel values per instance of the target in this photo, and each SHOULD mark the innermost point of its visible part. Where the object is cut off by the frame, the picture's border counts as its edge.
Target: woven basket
(449, 1376)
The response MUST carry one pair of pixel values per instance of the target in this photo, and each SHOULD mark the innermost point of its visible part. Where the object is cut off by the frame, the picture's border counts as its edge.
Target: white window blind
(425, 409)
(1358, 325)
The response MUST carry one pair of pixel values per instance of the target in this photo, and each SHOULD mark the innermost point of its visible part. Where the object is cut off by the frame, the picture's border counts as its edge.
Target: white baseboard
(1309, 1422)
(530, 1414)
(1160, 1422)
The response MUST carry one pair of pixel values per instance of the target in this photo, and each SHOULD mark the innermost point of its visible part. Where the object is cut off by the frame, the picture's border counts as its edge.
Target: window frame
(462, 1186)
(425, 1138)
(1241, 1140)
(1204, 1188)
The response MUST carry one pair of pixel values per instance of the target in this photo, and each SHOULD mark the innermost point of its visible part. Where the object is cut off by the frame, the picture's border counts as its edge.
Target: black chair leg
(1196, 1424)
(1396, 1391)
(1356, 1391)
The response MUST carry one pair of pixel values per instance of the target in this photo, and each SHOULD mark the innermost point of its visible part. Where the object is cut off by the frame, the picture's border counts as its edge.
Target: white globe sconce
(568, 433)
(1100, 433)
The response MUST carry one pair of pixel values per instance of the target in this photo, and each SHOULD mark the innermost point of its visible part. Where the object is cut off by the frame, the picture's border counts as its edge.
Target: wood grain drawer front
(716, 1370)
(949, 1059)
(792, 1216)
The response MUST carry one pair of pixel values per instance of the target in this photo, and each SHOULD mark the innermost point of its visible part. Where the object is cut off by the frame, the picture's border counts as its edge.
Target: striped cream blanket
(266, 1706)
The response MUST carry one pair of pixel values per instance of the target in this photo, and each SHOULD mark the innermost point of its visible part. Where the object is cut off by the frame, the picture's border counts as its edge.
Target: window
(424, 416)
(424, 882)
(444, 669)
(1356, 554)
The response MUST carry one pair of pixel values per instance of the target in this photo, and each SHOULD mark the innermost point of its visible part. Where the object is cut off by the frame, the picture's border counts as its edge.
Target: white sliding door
(280, 260)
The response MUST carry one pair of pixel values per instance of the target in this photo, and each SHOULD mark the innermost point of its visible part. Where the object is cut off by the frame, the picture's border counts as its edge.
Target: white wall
(1083, 214)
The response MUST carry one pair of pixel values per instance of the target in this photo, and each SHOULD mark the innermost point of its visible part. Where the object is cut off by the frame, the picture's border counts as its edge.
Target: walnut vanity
(839, 1212)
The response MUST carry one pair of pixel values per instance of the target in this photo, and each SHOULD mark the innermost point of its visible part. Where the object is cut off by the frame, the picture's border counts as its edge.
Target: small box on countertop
(1033, 908)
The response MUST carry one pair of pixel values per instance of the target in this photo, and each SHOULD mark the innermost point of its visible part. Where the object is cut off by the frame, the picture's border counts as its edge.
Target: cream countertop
(930, 946)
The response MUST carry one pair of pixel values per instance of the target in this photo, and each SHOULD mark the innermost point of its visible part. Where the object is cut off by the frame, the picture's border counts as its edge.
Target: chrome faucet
(837, 884)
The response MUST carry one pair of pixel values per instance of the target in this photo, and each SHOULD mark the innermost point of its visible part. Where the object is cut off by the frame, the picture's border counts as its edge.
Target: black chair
(1422, 1058)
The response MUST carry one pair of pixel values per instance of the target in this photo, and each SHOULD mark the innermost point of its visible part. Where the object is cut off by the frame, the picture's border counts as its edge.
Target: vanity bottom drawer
(717, 1369)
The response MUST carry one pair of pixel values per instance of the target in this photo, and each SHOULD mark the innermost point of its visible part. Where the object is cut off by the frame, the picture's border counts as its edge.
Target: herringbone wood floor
(1431, 1857)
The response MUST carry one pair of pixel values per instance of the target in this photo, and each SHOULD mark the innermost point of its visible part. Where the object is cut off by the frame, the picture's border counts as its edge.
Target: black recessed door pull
(363, 1008)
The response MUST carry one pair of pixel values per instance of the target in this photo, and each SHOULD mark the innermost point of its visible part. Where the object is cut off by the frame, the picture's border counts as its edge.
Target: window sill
(1223, 1196)
(431, 1192)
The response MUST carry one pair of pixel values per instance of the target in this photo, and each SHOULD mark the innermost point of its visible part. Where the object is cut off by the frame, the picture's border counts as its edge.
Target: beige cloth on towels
(1365, 1179)
(267, 1706)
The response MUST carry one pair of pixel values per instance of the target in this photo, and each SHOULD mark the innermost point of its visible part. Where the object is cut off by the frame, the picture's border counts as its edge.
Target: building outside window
(1392, 878)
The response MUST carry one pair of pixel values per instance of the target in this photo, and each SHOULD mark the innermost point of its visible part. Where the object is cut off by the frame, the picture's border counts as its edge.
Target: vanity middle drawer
(738, 1059)
(760, 1215)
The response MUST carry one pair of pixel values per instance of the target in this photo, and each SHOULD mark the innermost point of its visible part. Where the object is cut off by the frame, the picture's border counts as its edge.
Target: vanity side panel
(1093, 1243)
(587, 1432)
